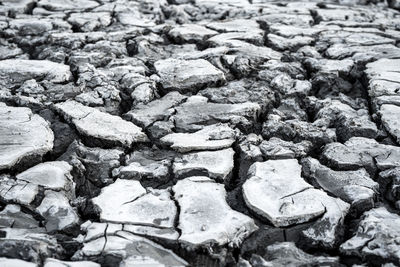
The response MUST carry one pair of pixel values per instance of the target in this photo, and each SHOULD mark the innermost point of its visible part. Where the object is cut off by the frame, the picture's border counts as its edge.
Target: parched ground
(199, 133)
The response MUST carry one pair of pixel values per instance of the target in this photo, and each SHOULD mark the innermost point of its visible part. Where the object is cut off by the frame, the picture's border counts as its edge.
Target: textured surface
(199, 133)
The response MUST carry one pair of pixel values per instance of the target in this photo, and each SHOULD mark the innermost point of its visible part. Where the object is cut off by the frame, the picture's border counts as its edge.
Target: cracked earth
(199, 133)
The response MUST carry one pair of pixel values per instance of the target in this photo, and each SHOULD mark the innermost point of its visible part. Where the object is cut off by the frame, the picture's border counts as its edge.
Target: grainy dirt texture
(199, 133)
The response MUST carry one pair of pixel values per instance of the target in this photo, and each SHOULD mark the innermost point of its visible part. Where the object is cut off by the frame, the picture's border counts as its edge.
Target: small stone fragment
(99, 125)
(14, 72)
(355, 187)
(214, 164)
(25, 136)
(376, 237)
(187, 75)
(267, 194)
(205, 217)
(126, 201)
(213, 137)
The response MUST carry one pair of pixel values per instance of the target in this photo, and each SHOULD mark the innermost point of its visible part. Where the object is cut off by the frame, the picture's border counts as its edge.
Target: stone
(297, 131)
(16, 263)
(190, 33)
(348, 121)
(92, 165)
(389, 182)
(355, 187)
(329, 230)
(54, 175)
(389, 116)
(375, 237)
(213, 137)
(49, 262)
(214, 164)
(197, 112)
(157, 110)
(147, 165)
(330, 66)
(287, 254)
(93, 230)
(276, 148)
(90, 21)
(123, 248)
(13, 216)
(135, 206)
(359, 152)
(205, 217)
(15, 191)
(382, 77)
(235, 25)
(60, 5)
(13, 72)
(238, 39)
(241, 91)
(28, 245)
(187, 75)
(25, 136)
(291, 44)
(108, 129)
(57, 212)
(266, 193)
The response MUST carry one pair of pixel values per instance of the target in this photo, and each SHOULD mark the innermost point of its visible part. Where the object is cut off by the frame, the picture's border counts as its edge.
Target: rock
(375, 238)
(29, 245)
(239, 39)
(205, 217)
(25, 136)
(73, 5)
(54, 175)
(196, 113)
(135, 206)
(276, 148)
(342, 67)
(14, 72)
(58, 263)
(90, 21)
(15, 191)
(57, 212)
(236, 25)
(265, 193)
(389, 181)
(124, 246)
(329, 230)
(95, 230)
(288, 19)
(359, 152)
(347, 121)
(291, 44)
(389, 116)
(93, 166)
(190, 33)
(287, 254)
(148, 166)
(242, 91)
(187, 75)
(359, 54)
(213, 137)
(157, 110)
(16, 263)
(214, 164)
(93, 124)
(13, 216)
(355, 187)
(297, 131)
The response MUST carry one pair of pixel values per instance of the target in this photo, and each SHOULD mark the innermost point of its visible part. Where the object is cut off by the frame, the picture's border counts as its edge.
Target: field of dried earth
(199, 133)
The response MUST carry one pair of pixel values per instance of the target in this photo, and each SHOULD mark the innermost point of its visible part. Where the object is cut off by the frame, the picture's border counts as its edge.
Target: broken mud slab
(199, 133)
